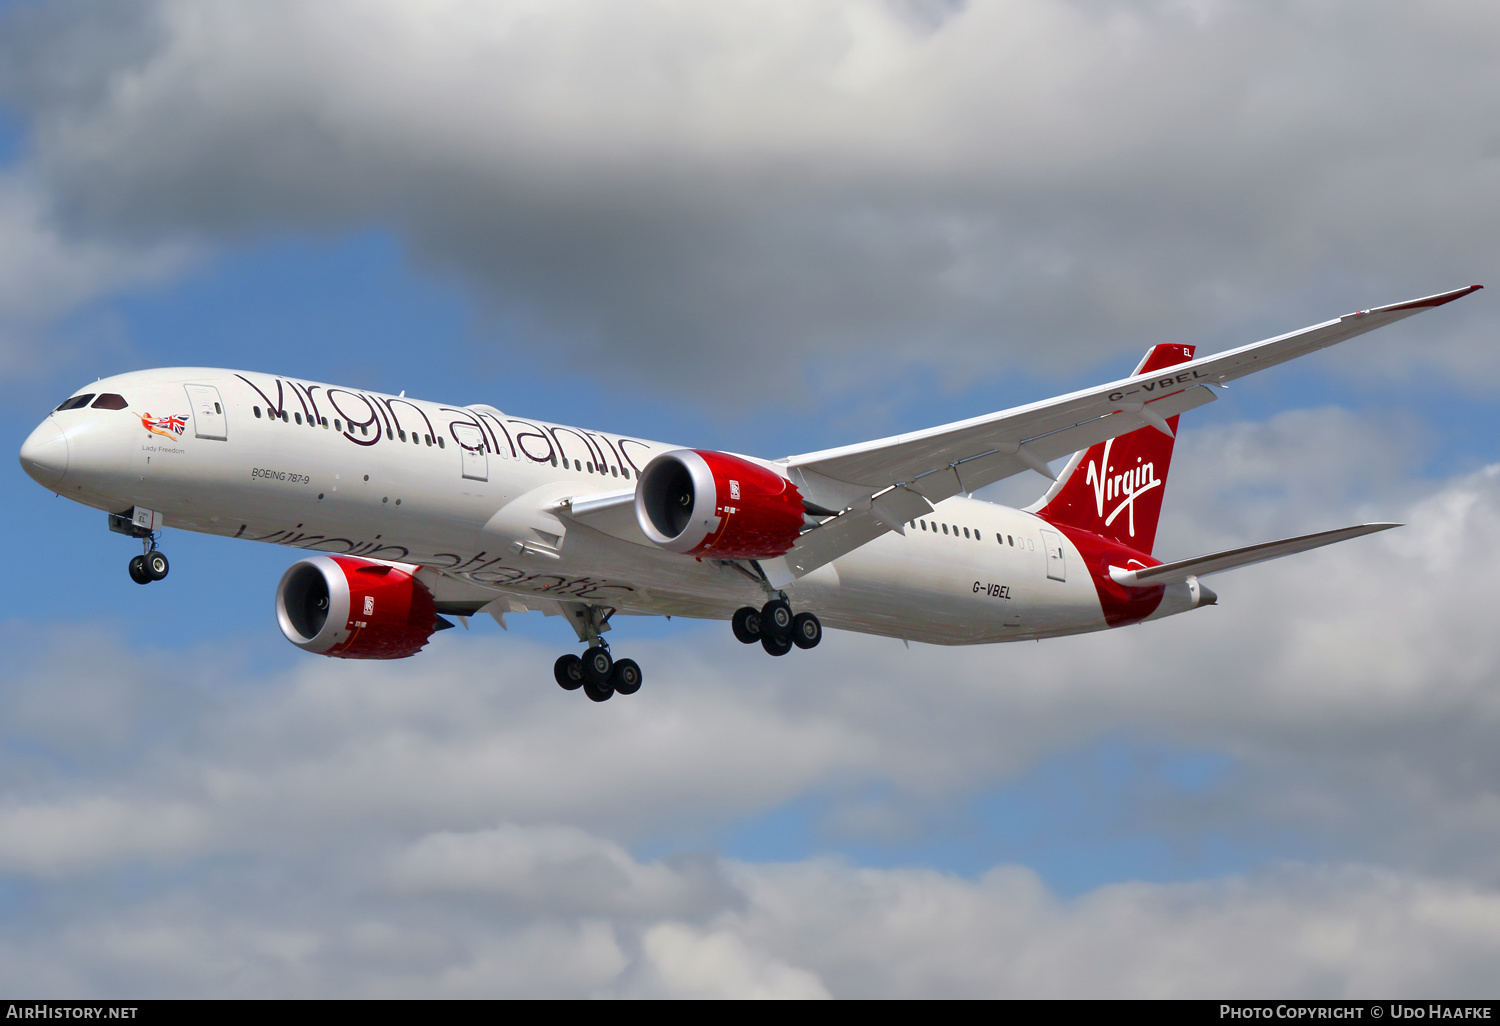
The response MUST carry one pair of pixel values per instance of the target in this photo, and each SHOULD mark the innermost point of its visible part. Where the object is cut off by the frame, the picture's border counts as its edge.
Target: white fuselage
(467, 492)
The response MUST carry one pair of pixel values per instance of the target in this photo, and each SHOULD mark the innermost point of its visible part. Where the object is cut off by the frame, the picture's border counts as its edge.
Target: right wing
(878, 486)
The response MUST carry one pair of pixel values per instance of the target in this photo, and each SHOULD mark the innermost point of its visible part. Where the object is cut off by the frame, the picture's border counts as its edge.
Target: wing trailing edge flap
(862, 522)
(1232, 559)
(866, 517)
(977, 458)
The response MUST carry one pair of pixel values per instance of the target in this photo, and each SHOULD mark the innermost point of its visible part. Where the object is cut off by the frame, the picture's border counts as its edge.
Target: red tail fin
(1114, 489)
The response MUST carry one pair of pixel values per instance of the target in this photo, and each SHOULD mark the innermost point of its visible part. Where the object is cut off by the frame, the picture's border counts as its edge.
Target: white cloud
(62, 837)
(804, 929)
(665, 188)
(683, 962)
(457, 825)
(1333, 932)
(47, 272)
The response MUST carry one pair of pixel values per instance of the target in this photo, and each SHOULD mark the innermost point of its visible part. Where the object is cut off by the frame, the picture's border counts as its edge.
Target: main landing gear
(599, 674)
(776, 628)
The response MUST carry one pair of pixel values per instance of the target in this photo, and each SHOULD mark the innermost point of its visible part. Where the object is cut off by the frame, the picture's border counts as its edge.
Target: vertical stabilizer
(1114, 489)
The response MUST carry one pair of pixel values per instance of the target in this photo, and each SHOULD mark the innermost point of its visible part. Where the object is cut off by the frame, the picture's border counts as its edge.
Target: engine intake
(355, 608)
(701, 503)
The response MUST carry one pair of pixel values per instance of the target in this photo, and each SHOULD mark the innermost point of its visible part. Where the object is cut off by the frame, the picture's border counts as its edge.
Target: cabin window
(336, 424)
(440, 442)
(614, 471)
(966, 532)
(945, 528)
(590, 466)
(1011, 539)
(554, 459)
(297, 417)
(284, 417)
(257, 412)
(324, 422)
(217, 407)
(625, 473)
(111, 401)
(78, 402)
(577, 465)
(401, 435)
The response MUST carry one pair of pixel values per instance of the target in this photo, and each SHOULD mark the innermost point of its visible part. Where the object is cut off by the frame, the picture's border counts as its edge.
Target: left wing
(878, 486)
(1231, 559)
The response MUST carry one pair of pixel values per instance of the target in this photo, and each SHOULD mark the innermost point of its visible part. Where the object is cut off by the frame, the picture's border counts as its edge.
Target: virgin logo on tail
(1109, 486)
(1114, 488)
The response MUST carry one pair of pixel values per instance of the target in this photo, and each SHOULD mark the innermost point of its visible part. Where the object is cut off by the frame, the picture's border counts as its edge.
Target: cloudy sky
(770, 227)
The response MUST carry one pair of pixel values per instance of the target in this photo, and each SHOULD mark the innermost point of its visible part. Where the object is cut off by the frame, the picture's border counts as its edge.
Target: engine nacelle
(704, 503)
(354, 608)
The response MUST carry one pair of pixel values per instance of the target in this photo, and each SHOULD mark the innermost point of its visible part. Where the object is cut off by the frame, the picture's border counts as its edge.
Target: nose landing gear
(151, 564)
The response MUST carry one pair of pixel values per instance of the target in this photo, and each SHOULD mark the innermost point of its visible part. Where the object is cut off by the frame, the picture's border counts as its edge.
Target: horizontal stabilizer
(1230, 559)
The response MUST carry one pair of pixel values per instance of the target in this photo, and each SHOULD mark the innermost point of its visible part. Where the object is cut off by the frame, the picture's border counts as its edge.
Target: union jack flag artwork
(171, 427)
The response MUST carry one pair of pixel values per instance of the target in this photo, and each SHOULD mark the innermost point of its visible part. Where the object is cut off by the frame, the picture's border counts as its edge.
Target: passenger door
(209, 420)
(475, 463)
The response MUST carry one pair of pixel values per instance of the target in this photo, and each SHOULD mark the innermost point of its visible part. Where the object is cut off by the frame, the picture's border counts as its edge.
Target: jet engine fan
(355, 608)
(704, 503)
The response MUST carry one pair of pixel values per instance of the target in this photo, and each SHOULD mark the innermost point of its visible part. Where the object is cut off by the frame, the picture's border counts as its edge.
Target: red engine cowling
(705, 503)
(354, 608)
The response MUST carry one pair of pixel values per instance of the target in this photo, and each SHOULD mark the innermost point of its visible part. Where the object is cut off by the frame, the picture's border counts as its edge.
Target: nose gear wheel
(151, 564)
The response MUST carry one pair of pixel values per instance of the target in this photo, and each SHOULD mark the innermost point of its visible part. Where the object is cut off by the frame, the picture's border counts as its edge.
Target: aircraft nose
(45, 454)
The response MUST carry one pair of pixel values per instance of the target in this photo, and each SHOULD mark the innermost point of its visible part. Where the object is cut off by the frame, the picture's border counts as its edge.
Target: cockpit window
(110, 401)
(75, 403)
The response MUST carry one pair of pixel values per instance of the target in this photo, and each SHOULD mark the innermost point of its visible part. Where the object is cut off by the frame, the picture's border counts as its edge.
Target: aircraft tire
(807, 631)
(596, 666)
(776, 646)
(776, 619)
(157, 566)
(746, 624)
(138, 572)
(626, 677)
(568, 672)
(598, 692)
